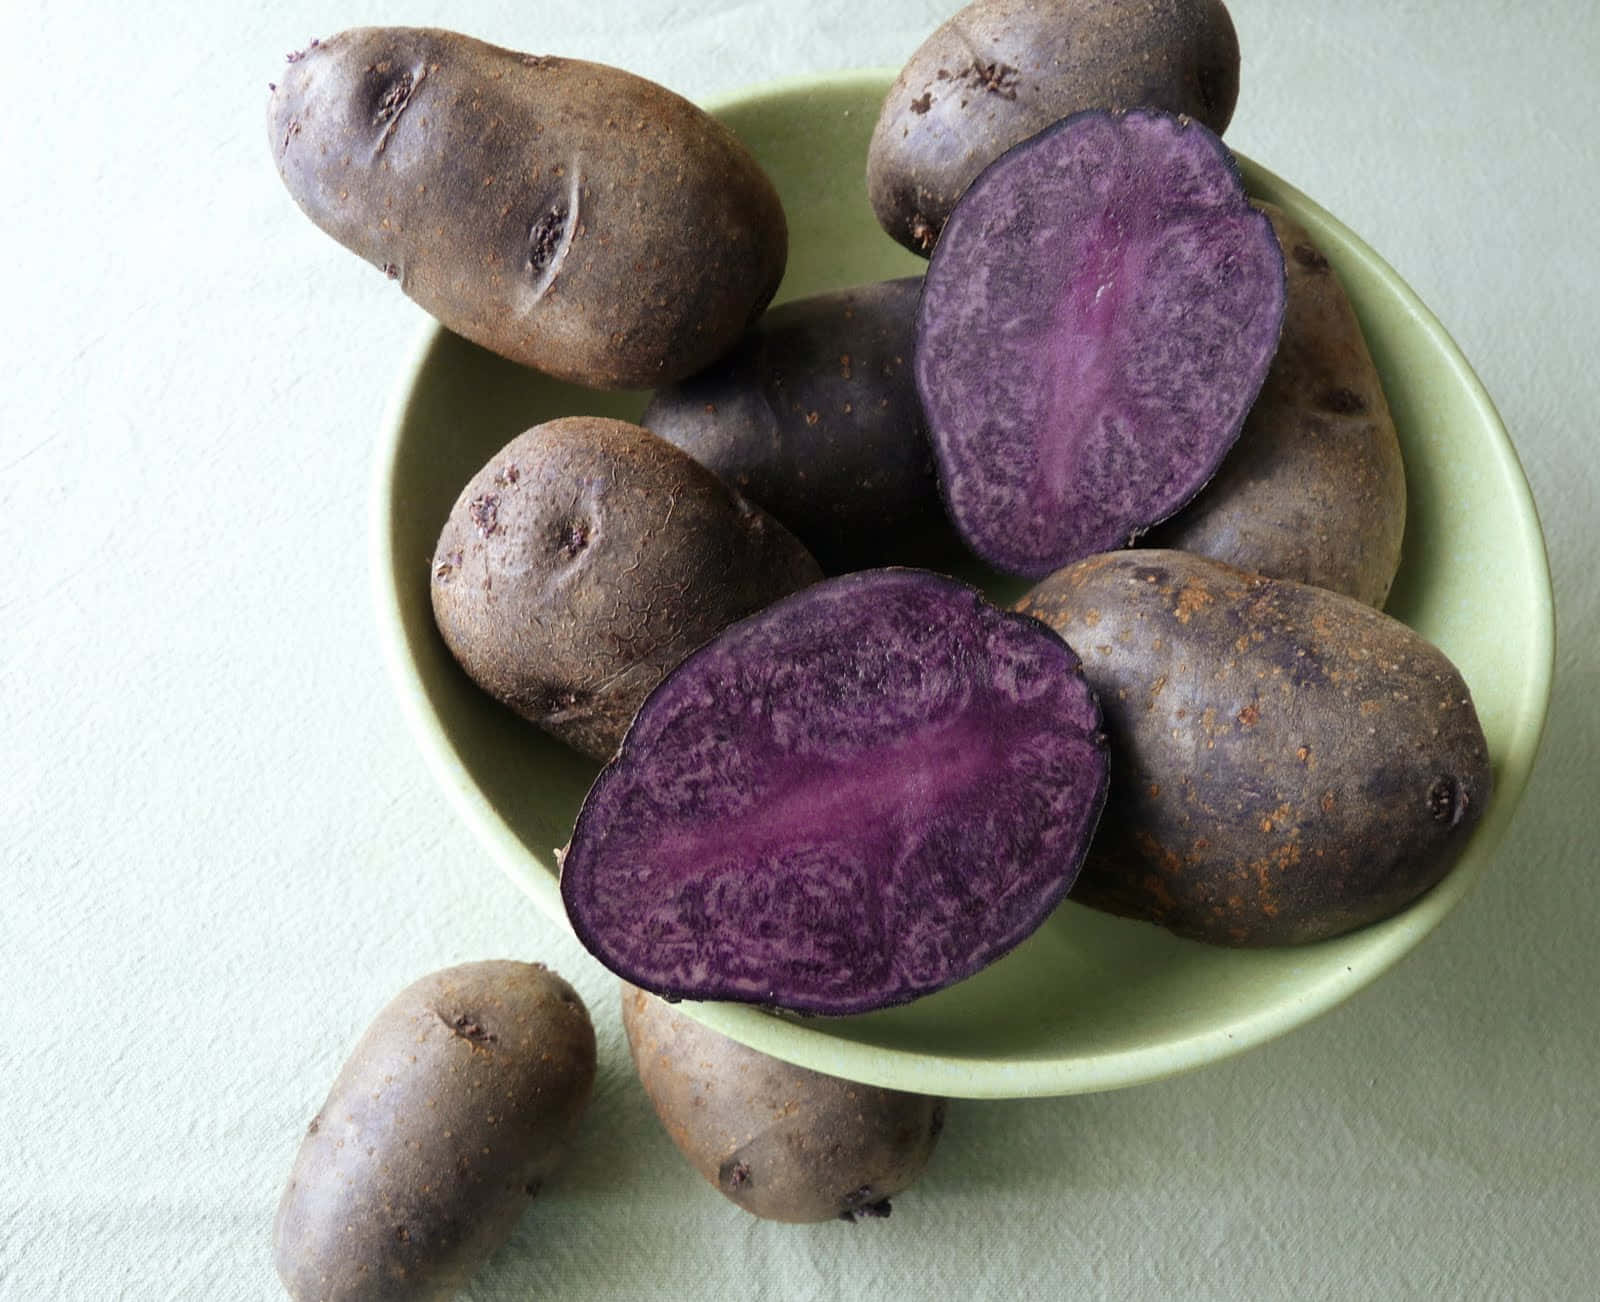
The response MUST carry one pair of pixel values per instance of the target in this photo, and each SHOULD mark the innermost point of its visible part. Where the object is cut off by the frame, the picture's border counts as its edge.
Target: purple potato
(1315, 488)
(1095, 324)
(567, 215)
(1289, 763)
(814, 417)
(456, 1105)
(783, 1142)
(856, 797)
(585, 560)
(999, 70)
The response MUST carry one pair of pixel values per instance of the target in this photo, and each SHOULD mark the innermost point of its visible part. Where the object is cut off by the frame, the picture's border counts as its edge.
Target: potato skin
(585, 560)
(1000, 70)
(814, 417)
(1315, 489)
(457, 1102)
(1288, 763)
(568, 215)
(784, 1143)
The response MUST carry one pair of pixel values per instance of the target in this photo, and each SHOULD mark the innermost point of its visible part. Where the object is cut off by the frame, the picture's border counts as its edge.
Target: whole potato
(567, 215)
(814, 417)
(585, 560)
(1314, 489)
(782, 1142)
(1287, 763)
(1000, 70)
(457, 1102)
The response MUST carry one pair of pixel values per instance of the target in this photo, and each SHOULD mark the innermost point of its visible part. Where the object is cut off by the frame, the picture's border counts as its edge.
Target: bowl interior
(1090, 1002)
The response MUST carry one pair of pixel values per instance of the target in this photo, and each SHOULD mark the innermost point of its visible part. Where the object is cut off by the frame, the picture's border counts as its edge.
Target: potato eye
(572, 536)
(392, 102)
(1447, 801)
(544, 238)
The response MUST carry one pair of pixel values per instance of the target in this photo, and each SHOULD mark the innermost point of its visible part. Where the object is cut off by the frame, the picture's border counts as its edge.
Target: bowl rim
(954, 1075)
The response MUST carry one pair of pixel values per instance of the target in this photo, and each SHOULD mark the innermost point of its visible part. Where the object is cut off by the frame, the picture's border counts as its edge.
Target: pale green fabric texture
(220, 853)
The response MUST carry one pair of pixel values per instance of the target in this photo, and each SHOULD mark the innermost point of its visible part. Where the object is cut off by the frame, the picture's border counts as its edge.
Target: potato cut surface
(855, 797)
(1097, 318)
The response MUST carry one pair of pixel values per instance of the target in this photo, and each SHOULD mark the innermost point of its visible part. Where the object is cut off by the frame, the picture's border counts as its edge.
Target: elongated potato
(585, 560)
(1000, 70)
(1288, 763)
(1314, 489)
(458, 1102)
(567, 215)
(783, 1142)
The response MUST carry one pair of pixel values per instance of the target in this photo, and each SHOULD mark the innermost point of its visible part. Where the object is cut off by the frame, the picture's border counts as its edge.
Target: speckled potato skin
(1000, 70)
(458, 1101)
(1315, 489)
(1288, 764)
(814, 416)
(567, 215)
(784, 1143)
(585, 560)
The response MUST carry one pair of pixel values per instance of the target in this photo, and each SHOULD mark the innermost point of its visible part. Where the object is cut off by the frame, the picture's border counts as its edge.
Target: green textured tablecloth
(220, 854)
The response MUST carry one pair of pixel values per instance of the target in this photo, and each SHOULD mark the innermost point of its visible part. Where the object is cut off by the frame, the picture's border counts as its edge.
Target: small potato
(1314, 490)
(1287, 763)
(1000, 70)
(585, 560)
(567, 215)
(782, 1142)
(458, 1101)
(814, 417)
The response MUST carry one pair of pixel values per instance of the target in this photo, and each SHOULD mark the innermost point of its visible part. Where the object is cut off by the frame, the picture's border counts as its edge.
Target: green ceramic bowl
(1090, 1002)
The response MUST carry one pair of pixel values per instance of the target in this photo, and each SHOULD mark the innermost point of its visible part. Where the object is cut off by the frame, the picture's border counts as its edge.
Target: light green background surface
(220, 853)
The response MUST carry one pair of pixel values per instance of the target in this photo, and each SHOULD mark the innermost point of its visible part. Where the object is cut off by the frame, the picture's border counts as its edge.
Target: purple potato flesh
(853, 798)
(1096, 321)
